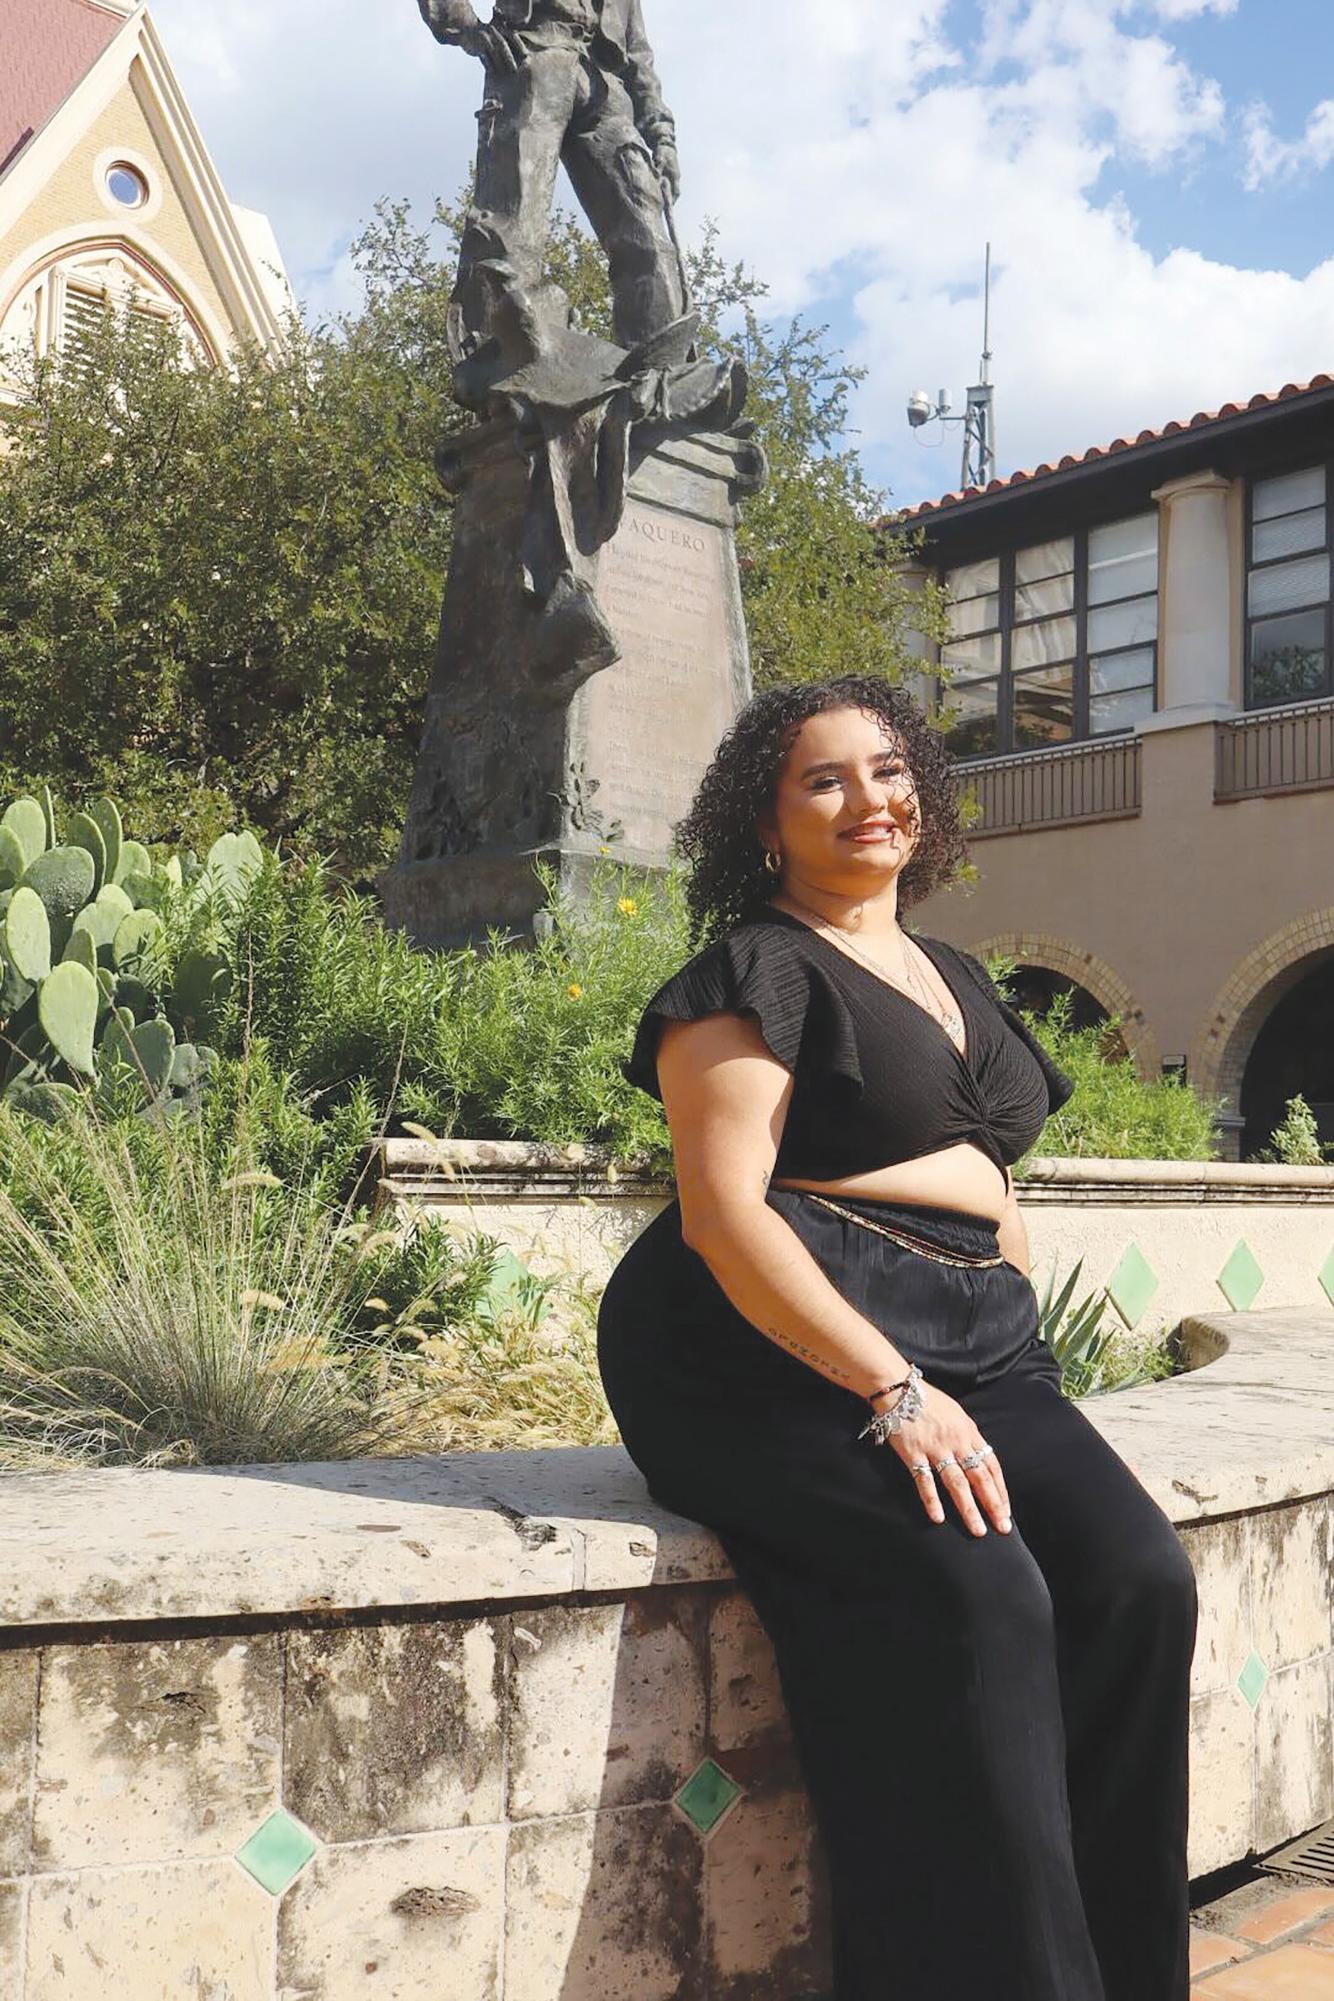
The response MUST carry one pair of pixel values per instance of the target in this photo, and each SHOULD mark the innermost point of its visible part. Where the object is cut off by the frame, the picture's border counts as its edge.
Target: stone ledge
(1249, 1430)
(516, 1169)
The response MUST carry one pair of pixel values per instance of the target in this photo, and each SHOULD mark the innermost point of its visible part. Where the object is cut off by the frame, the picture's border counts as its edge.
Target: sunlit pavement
(1270, 1940)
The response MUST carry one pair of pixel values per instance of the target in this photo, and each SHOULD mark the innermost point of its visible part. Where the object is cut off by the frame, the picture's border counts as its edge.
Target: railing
(1277, 750)
(1055, 788)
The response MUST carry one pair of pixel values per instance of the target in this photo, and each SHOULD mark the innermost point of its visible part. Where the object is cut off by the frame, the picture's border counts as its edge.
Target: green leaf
(63, 878)
(135, 950)
(84, 832)
(106, 814)
(13, 861)
(28, 935)
(134, 860)
(68, 1004)
(27, 822)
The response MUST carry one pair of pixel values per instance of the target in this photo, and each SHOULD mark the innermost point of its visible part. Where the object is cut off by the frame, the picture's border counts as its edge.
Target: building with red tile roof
(1138, 685)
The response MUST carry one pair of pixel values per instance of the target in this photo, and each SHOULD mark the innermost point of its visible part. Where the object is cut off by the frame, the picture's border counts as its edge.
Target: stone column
(1195, 586)
(526, 754)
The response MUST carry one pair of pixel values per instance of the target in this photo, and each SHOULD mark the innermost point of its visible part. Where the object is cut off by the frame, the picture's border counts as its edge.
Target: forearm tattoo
(808, 1355)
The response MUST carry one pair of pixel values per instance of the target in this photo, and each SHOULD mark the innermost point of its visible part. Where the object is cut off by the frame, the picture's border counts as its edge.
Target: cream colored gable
(181, 251)
(71, 216)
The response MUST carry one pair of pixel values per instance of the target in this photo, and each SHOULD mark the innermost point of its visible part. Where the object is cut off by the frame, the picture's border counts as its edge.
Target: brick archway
(1246, 1000)
(1095, 975)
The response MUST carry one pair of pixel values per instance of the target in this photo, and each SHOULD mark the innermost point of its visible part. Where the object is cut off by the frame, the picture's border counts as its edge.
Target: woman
(827, 1350)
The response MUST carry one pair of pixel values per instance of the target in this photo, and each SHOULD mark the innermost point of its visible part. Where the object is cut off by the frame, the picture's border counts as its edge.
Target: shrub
(166, 1299)
(1296, 1142)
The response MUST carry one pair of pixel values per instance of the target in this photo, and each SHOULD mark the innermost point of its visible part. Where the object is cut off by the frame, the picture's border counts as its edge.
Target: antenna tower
(979, 424)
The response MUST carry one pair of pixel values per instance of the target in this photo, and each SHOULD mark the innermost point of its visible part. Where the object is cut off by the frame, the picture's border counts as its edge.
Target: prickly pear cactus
(88, 999)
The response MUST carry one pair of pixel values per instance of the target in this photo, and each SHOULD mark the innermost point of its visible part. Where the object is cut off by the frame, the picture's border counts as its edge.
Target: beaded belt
(904, 1237)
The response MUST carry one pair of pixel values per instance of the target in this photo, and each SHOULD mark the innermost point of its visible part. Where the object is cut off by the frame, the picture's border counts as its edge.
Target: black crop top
(876, 1078)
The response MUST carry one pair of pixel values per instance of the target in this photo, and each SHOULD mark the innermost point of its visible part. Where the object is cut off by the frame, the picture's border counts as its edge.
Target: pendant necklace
(951, 1021)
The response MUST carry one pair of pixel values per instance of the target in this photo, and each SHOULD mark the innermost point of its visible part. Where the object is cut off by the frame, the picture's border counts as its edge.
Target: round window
(127, 185)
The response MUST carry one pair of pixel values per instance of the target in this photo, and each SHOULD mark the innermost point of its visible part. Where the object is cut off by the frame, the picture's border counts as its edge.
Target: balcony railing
(1277, 750)
(1055, 788)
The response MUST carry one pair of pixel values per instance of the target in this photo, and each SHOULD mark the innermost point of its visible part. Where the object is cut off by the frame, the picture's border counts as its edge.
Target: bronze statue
(573, 81)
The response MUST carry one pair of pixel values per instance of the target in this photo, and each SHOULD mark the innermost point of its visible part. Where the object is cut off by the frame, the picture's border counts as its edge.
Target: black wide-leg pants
(993, 1729)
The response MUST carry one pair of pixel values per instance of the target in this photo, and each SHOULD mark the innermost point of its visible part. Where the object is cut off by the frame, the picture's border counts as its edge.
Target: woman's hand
(945, 1428)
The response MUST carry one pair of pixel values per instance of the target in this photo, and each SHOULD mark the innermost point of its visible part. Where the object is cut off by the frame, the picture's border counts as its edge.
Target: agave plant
(1075, 1333)
(85, 1003)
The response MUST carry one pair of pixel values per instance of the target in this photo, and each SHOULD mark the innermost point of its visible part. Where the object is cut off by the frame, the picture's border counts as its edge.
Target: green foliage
(220, 588)
(1295, 1141)
(86, 989)
(166, 1297)
(1096, 1357)
(1113, 1113)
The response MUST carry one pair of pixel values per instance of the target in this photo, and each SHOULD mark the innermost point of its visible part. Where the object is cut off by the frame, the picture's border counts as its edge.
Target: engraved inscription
(653, 721)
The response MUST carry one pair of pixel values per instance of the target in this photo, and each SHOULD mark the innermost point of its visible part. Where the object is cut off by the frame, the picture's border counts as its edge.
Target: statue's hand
(451, 21)
(489, 43)
(667, 161)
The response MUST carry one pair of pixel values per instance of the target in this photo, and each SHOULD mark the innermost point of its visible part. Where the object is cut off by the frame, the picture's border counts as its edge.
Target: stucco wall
(1171, 901)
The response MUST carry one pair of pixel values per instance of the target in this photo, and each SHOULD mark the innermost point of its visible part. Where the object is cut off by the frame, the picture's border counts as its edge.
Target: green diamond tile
(1326, 1276)
(277, 1852)
(1241, 1277)
(707, 1795)
(1132, 1285)
(1252, 1679)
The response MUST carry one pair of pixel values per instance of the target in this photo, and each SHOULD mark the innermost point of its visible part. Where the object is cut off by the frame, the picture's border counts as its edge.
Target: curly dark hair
(728, 882)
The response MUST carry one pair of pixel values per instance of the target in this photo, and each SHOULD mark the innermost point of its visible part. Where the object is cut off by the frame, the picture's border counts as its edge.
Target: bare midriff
(952, 1177)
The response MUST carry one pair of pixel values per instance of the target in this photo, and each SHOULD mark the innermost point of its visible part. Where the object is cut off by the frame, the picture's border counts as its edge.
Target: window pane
(972, 580)
(1288, 494)
(974, 615)
(1288, 658)
(1134, 623)
(1044, 707)
(1288, 585)
(1116, 541)
(1121, 670)
(1119, 712)
(1041, 600)
(973, 656)
(1288, 534)
(1127, 577)
(977, 729)
(1035, 645)
(1044, 559)
(1123, 559)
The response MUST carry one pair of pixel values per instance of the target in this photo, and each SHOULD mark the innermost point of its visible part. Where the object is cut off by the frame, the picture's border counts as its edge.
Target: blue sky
(1157, 177)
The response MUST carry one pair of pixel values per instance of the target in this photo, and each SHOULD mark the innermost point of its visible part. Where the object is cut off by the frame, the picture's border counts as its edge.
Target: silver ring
(939, 1465)
(987, 1452)
(918, 1470)
(972, 1459)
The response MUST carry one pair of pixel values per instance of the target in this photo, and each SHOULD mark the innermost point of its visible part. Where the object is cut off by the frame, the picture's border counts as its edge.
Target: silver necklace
(951, 1021)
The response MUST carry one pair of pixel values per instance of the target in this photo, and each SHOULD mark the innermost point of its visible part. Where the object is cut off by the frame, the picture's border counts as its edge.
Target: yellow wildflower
(575, 991)
(627, 906)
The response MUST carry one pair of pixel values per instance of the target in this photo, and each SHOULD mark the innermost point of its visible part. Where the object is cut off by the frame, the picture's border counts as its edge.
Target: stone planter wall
(1167, 1238)
(493, 1725)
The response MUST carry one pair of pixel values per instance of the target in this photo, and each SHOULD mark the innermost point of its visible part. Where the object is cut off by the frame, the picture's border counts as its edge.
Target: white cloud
(858, 156)
(1270, 159)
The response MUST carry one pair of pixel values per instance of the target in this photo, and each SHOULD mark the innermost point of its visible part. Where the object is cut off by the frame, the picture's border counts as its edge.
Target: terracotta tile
(1285, 1914)
(1211, 1949)
(1293, 1973)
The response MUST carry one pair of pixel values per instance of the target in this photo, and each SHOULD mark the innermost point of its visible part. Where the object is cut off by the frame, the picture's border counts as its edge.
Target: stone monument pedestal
(530, 751)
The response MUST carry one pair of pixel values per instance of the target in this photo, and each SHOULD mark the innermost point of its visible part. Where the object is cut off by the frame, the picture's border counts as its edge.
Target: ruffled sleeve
(1060, 1085)
(760, 972)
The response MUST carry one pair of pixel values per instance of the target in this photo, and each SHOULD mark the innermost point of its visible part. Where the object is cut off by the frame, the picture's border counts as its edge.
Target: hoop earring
(773, 861)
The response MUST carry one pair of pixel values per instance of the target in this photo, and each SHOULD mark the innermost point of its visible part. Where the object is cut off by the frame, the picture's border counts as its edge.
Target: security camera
(921, 409)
